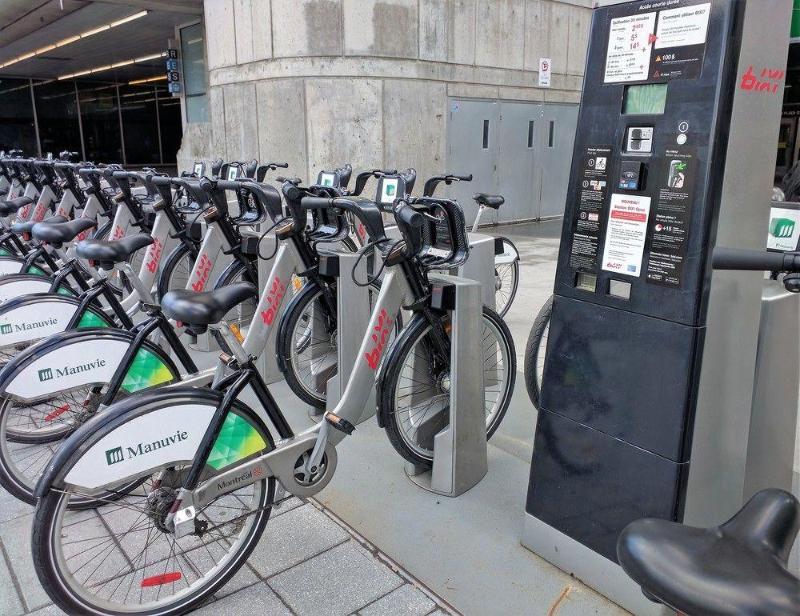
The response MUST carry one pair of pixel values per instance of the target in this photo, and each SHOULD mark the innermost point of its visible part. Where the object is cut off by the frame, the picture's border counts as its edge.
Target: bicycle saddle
(737, 568)
(12, 205)
(114, 251)
(58, 233)
(26, 227)
(492, 201)
(207, 308)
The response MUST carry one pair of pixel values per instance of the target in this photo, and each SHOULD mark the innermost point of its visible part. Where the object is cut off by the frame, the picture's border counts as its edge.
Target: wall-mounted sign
(172, 65)
(174, 87)
(172, 54)
(173, 72)
(545, 70)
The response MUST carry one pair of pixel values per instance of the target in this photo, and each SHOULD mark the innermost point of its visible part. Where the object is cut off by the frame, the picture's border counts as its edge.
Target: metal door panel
(516, 161)
(554, 151)
(472, 148)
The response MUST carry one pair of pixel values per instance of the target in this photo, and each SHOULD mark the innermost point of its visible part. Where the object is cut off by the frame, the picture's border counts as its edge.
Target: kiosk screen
(649, 99)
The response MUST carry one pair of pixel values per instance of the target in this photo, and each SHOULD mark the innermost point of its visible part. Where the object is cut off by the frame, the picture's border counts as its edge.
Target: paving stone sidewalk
(307, 562)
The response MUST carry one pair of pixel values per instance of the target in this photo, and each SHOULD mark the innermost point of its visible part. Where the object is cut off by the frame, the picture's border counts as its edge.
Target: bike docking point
(352, 312)
(480, 266)
(459, 445)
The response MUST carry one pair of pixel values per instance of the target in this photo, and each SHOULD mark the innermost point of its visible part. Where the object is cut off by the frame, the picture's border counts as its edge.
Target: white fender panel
(72, 365)
(34, 321)
(10, 266)
(18, 288)
(163, 436)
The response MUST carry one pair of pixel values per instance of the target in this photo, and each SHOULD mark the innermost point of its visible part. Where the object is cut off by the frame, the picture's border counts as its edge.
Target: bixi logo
(114, 455)
(45, 374)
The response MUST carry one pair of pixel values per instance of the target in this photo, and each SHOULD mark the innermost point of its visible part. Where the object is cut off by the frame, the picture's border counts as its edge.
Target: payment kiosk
(648, 382)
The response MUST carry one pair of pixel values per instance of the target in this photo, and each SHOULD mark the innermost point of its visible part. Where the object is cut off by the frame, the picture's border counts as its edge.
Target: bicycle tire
(535, 351)
(514, 268)
(389, 380)
(166, 277)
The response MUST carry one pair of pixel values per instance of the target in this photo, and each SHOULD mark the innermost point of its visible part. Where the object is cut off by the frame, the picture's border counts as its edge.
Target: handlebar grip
(465, 178)
(316, 203)
(754, 260)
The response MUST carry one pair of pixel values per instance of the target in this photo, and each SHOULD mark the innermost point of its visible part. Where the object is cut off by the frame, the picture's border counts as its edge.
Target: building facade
(395, 84)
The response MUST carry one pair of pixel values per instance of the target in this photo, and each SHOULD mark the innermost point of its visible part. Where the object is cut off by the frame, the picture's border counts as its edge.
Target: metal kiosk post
(459, 447)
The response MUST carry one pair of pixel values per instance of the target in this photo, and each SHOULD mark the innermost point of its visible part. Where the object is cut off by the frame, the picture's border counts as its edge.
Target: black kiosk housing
(628, 334)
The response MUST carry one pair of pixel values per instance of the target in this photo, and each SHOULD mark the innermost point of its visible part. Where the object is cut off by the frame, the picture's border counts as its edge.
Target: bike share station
(668, 392)
(458, 433)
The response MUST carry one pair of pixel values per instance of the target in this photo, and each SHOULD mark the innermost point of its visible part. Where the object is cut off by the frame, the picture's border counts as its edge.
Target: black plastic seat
(12, 205)
(21, 228)
(58, 233)
(206, 308)
(492, 201)
(737, 568)
(114, 251)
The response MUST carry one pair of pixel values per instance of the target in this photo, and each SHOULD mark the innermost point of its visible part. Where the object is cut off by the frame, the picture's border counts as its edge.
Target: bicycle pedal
(340, 423)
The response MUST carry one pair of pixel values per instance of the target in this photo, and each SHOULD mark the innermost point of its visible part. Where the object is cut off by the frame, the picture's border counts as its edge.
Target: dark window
(100, 119)
(140, 124)
(169, 116)
(552, 137)
(486, 134)
(17, 128)
(57, 112)
(531, 126)
(194, 73)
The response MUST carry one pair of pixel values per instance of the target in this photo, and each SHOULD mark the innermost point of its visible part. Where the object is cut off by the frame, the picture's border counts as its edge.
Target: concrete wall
(319, 83)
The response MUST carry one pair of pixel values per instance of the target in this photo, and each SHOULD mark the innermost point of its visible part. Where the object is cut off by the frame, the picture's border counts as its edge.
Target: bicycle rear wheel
(414, 398)
(123, 558)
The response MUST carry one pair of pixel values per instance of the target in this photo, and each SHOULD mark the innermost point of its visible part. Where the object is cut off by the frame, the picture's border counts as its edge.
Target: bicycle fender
(18, 285)
(39, 315)
(78, 358)
(143, 433)
(11, 265)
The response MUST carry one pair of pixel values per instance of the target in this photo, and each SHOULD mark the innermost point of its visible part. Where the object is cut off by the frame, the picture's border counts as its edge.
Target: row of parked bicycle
(152, 479)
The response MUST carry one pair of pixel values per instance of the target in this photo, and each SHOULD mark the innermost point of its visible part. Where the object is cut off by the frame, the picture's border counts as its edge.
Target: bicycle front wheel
(535, 352)
(122, 556)
(414, 400)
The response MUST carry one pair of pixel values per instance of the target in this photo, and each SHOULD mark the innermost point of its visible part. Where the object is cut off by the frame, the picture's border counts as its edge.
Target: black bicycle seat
(737, 568)
(114, 251)
(12, 205)
(207, 308)
(58, 233)
(26, 227)
(492, 201)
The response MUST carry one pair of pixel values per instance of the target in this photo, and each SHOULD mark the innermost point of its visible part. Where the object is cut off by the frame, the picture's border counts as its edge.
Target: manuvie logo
(5, 328)
(114, 455)
(45, 374)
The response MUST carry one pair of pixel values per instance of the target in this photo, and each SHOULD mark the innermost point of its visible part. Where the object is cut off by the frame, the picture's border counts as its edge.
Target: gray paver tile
(293, 537)
(9, 599)
(16, 537)
(50, 610)
(287, 505)
(258, 599)
(405, 601)
(337, 582)
(11, 508)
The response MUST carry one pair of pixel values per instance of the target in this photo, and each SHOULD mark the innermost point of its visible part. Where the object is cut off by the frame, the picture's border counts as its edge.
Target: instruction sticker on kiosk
(625, 234)
(784, 229)
(658, 45)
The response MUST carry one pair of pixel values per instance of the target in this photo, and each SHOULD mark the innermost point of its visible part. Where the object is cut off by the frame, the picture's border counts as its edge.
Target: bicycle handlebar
(447, 178)
(755, 260)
